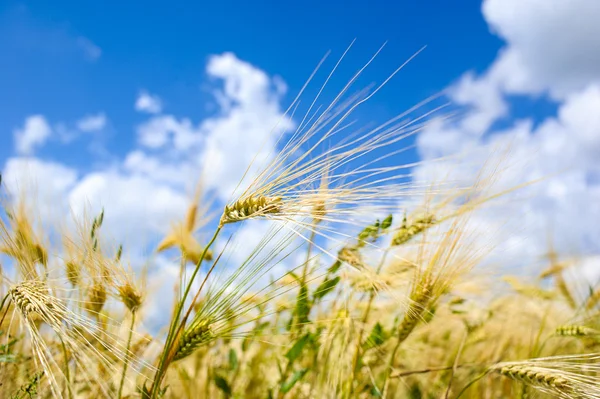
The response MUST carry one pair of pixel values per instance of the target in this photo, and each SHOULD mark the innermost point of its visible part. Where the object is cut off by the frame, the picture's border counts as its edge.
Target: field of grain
(365, 284)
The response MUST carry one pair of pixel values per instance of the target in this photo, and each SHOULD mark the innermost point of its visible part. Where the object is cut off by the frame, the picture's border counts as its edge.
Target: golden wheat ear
(92, 350)
(574, 376)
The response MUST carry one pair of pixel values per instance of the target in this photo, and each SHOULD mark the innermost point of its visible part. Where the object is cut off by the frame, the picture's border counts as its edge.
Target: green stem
(127, 355)
(176, 325)
(388, 367)
(308, 252)
(295, 323)
(471, 383)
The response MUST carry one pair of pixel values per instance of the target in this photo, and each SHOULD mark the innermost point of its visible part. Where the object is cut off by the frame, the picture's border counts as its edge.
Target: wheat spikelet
(97, 296)
(563, 288)
(351, 256)
(593, 300)
(181, 236)
(319, 202)
(141, 344)
(73, 272)
(536, 376)
(367, 281)
(414, 313)
(34, 299)
(130, 297)
(32, 296)
(572, 376)
(555, 268)
(250, 207)
(20, 243)
(407, 231)
(192, 339)
(575, 331)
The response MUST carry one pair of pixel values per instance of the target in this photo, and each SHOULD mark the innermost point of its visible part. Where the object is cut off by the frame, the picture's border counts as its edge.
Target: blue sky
(164, 49)
(206, 77)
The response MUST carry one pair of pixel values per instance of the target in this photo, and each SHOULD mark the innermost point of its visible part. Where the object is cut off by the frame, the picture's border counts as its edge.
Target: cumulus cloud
(556, 151)
(138, 209)
(167, 131)
(43, 185)
(92, 123)
(248, 129)
(49, 179)
(33, 134)
(244, 131)
(551, 49)
(148, 103)
(149, 188)
(551, 46)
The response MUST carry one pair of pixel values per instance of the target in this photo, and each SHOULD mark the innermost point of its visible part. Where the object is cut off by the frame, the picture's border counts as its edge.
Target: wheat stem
(126, 364)
(176, 326)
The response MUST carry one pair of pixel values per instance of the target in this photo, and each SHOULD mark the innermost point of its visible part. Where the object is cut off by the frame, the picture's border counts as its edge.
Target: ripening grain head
(326, 172)
(91, 349)
(573, 376)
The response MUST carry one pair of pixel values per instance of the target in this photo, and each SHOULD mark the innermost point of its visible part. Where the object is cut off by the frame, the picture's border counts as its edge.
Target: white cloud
(180, 172)
(222, 146)
(157, 132)
(92, 123)
(148, 103)
(44, 182)
(138, 209)
(552, 45)
(551, 48)
(34, 133)
(144, 192)
(248, 129)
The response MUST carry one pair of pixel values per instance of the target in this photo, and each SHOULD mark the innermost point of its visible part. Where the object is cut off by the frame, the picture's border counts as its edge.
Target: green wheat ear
(575, 331)
(192, 339)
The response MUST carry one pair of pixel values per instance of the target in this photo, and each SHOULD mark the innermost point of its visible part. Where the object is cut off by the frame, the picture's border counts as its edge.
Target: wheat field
(365, 283)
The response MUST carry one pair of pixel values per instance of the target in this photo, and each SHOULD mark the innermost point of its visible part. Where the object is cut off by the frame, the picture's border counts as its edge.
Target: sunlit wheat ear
(319, 201)
(593, 300)
(367, 280)
(328, 169)
(73, 272)
(351, 256)
(34, 299)
(32, 296)
(415, 312)
(18, 241)
(193, 337)
(409, 230)
(549, 381)
(251, 207)
(575, 376)
(97, 296)
(73, 263)
(576, 331)
(130, 296)
(181, 235)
